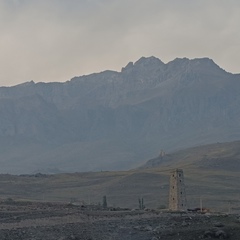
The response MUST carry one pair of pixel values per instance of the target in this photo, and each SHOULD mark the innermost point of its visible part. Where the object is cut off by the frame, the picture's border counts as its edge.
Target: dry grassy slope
(218, 156)
(124, 188)
(211, 173)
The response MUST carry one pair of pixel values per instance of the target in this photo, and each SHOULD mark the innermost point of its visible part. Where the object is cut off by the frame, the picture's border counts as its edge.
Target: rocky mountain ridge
(117, 120)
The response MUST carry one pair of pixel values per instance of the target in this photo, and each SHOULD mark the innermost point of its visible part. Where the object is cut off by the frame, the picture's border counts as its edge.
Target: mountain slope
(117, 120)
(217, 157)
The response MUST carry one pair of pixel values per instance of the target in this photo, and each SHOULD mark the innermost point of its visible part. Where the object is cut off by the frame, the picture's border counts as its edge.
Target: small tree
(104, 201)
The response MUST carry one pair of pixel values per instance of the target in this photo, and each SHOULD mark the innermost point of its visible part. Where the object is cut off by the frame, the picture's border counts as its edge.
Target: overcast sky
(55, 40)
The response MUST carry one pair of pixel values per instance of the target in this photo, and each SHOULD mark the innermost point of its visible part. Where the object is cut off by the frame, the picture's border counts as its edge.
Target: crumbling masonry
(177, 195)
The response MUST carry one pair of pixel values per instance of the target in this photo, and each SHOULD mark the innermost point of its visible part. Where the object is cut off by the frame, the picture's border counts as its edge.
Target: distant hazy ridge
(117, 120)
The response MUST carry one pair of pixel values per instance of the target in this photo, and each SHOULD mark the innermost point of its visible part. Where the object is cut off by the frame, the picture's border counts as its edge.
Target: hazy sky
(55, 40)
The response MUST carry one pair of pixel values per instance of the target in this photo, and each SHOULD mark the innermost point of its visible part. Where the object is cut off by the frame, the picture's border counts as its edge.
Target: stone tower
(177, 195)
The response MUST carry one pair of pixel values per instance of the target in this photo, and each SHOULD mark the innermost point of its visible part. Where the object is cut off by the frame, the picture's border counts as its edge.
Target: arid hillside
(211, 174)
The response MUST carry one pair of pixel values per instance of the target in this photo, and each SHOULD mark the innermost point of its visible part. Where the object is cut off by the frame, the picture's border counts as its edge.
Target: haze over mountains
(117, 120)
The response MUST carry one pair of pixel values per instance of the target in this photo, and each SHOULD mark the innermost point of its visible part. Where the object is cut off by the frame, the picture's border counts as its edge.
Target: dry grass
(218, 190)
(208, 176)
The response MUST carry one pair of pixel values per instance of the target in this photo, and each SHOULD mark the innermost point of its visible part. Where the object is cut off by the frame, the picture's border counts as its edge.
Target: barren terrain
(51, 221)
(68, 206)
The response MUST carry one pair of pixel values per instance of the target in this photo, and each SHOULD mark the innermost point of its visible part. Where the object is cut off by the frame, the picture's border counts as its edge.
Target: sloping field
(211, 174)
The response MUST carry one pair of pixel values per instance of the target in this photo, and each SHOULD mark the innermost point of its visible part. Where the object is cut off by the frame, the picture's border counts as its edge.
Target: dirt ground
(55, 221)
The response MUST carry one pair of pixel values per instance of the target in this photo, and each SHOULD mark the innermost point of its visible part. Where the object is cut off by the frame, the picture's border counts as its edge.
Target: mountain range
(117, 120)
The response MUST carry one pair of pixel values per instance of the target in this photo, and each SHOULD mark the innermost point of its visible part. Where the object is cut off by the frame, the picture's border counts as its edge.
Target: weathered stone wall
(177, 194)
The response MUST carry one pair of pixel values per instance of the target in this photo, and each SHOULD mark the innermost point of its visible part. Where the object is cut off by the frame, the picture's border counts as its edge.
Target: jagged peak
(203, 62)
(128, 66)
(29, 83)
(148, 61)
(142, 62)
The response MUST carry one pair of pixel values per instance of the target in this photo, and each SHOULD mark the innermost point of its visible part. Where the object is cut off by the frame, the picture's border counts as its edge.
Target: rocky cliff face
(116, 120)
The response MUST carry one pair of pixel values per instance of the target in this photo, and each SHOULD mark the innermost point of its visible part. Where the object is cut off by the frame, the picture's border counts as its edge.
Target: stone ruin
(177, 194)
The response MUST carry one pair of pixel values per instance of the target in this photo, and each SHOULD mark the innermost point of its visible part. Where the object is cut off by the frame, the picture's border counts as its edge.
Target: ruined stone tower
(177, 195)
